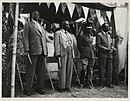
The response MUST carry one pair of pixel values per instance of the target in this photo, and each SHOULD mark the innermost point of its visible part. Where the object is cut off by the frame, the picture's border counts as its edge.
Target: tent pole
(125, 66)
(14, 51)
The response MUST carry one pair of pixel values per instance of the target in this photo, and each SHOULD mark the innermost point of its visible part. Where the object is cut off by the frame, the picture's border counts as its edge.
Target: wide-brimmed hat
(87, 25)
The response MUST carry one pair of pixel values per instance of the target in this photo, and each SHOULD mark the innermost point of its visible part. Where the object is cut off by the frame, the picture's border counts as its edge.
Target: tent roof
(28, 7)
(99, 6)
(51, 15)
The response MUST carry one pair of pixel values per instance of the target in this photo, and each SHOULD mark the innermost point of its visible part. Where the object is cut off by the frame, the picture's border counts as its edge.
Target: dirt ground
(97, 92)
(119, 91)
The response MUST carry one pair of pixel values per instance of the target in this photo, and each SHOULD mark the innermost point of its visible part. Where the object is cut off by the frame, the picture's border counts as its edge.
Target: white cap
(81, 20)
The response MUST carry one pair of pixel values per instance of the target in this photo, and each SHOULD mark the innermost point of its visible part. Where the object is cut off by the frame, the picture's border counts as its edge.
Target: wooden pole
(14, 51)
(126, 63)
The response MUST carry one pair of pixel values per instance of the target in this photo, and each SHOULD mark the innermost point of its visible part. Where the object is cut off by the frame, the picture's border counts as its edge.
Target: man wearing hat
(85, 46)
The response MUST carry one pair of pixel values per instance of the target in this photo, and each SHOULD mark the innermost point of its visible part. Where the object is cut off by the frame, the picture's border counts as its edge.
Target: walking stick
(29, 58)
(20, 77)
(77, 74)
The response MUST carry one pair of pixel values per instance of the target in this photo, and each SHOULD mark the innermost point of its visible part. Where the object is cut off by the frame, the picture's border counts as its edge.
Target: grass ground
(97, 92)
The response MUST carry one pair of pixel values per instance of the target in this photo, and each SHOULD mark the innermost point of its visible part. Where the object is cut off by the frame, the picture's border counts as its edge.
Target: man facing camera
(36, 51)
(105, 49)
(64, 51)
(86, 48)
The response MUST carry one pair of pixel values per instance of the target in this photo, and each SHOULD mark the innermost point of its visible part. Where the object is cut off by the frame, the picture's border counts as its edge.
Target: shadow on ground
(77, 92)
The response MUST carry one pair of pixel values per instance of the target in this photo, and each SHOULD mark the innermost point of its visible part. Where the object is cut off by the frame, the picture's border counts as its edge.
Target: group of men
(64, 50)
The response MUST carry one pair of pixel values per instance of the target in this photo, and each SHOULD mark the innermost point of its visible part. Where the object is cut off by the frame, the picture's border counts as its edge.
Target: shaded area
(97, 92)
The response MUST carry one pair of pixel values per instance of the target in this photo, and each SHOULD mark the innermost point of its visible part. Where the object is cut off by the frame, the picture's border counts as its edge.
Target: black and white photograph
(64, 49)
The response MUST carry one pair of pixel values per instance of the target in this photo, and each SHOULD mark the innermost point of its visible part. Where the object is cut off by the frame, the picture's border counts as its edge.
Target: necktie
(39, 27)
(68, 37)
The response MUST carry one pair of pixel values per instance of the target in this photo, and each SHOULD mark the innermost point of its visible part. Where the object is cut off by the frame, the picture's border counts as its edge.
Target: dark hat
(87, 25)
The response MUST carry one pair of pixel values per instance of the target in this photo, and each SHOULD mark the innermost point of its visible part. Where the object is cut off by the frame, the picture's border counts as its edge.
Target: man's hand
(58, 56)
(26, 53)
(114, 49)
(104, 48)
(45, 56)
(107, 49)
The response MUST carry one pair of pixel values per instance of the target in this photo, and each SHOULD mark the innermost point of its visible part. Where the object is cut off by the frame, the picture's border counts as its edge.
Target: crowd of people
(89, 44)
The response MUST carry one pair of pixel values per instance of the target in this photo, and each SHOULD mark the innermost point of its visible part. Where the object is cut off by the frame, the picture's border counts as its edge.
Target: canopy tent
(29, 7)
(99, 6)
(56, 12)
(53, 11)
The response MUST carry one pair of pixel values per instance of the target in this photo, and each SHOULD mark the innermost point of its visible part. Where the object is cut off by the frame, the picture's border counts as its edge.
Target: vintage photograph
(65, 49)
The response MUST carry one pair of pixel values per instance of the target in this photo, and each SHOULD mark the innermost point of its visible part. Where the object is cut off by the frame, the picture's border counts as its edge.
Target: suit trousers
(37, 67)
(66, 69)
(105, 67)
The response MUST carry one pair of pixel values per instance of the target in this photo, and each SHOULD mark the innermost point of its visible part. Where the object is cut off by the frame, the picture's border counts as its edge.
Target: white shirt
(38, 25)
(67, 38)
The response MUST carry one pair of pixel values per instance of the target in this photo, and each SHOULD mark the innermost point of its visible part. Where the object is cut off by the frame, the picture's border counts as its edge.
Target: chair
(51, 60)
(54, 60)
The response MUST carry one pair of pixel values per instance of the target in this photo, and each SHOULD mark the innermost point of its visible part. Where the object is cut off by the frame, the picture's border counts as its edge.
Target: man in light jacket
(64, 51)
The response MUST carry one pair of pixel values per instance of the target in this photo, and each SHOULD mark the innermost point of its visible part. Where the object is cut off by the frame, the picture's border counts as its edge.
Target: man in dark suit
(105, 49)
(86, 48)
(36, 51)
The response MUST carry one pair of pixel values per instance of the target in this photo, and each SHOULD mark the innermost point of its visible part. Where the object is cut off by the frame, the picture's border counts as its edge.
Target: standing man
(105, 49)
(64, 51)
(36, 51)
(86, 48)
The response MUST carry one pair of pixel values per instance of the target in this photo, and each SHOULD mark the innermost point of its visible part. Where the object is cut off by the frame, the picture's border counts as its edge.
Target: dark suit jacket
(104, 41)
(85, 47)
(34, 39)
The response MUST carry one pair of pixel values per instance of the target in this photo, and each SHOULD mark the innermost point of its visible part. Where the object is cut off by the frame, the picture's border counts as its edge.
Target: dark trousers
(37, 67)
(105, 68)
